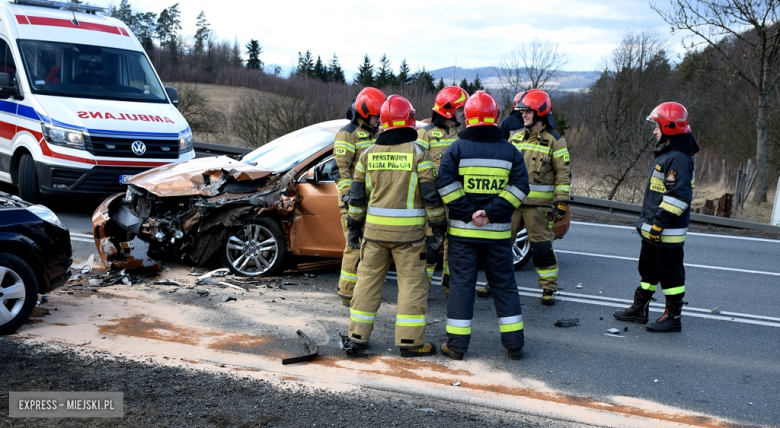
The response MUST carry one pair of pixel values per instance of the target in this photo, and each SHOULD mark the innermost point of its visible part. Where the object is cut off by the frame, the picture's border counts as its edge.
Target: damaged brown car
(276, 203)
(275, 206)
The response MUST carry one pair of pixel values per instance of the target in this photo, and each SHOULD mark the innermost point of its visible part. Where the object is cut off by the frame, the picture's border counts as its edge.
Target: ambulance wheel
(521, 249)
(28, 180)
(258, 247)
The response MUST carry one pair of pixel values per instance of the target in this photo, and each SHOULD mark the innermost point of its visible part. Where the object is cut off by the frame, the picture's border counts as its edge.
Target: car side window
(327, 170)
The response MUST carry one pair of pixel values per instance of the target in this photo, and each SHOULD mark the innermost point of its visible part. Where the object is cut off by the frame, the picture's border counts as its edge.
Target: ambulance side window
(7, 64)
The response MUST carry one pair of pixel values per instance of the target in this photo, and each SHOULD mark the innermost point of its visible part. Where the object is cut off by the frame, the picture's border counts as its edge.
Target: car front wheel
(18, 292)
(255, 248)
(521, 249)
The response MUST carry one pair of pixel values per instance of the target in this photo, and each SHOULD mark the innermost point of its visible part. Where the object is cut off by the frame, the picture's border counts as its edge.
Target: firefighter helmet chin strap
(364, 125)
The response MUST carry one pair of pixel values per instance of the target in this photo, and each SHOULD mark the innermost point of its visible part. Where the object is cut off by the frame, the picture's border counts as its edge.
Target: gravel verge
(165, 396)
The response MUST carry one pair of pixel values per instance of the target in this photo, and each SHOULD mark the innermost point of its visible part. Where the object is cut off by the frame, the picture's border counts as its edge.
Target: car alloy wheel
(18, 292)
(521, 249)
(256, 248)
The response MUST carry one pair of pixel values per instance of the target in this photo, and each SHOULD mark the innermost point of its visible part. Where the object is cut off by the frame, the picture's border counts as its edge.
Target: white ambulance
(81, 107)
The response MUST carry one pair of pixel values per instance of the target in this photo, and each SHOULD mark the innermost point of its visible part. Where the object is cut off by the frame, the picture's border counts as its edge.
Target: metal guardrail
(580, 205)
(614, 210)
(203, 150)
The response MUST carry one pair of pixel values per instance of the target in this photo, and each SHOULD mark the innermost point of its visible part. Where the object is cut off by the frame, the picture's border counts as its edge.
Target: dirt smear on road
(252, 335)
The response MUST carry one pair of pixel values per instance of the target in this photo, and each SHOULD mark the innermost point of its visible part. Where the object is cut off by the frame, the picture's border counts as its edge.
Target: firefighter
(350, 142)
(393, 193)
(482, 180)
(436, 137)
(663, 222)
(547, 160)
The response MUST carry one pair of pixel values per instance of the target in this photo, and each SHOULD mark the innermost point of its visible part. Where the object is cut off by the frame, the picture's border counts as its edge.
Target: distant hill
(566, 80)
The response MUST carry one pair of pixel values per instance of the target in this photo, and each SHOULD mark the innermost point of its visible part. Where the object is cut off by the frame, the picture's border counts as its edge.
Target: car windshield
(84, 71)
(289, 150)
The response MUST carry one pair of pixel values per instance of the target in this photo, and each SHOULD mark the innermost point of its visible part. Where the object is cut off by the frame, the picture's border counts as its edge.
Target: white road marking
(709, 235)
(654, 307)
(758, 272)
(81, 237)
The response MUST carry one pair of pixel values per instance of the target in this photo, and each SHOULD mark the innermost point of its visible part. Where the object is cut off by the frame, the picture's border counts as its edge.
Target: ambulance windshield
(84, 71)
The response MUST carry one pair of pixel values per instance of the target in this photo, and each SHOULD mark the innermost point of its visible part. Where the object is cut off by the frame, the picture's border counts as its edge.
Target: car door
(317, 220)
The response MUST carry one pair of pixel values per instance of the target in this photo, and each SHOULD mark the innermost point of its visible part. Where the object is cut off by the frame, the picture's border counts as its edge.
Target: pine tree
(235, 55)
(202, 32)
(465, 85)
(478, 84)
(168, 26)
(305, 65)
(384, 76)
(335, 72)
(440, 85)
(124, 13)
(424, 78)
(145, 29)
(365, 74)
(253, 51)
(404, 78)
(320, 71)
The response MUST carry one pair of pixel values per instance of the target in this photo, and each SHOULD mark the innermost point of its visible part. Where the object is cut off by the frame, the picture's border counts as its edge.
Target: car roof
(337, 124)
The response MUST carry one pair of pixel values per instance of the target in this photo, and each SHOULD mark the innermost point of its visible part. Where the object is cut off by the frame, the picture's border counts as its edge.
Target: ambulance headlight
(65, 137)
(185, 142)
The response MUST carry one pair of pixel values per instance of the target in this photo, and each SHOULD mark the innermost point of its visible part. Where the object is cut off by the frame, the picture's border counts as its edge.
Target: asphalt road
(724, 363)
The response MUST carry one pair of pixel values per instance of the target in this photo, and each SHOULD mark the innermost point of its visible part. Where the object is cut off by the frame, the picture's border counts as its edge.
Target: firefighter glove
(355, 233)
(655, 233)
(439, 229)
(558, 212)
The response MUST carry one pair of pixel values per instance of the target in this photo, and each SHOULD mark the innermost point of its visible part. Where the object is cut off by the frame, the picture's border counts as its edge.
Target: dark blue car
(35, 257)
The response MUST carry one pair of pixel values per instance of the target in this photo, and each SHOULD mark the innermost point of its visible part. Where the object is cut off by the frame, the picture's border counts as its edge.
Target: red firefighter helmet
(481, 109)
(397, 113)
(672, 117)
(449, 99)
(533, 99)
(369, 102)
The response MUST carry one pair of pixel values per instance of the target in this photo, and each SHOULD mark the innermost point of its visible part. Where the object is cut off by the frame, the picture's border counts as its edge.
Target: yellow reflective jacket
(394, 191)
(547, 160)
(350, 142)
(436, 140)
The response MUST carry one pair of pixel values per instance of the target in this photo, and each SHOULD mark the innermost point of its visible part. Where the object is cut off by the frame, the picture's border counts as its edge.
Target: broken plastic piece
(87, 268)
(613, 330)
(567, 322)
(314, 351)
(216, 272)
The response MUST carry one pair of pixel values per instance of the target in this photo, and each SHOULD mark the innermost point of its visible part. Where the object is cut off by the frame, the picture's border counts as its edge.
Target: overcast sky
(426, 33)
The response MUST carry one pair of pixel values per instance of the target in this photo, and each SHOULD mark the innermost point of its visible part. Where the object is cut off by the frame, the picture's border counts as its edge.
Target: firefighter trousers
(412, 291)
(349, 264)
(662, 265)
(500, 273)
(538, 225)
(433, 257)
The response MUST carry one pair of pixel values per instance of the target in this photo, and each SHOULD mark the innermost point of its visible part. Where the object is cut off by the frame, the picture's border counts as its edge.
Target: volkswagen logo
(138, 147)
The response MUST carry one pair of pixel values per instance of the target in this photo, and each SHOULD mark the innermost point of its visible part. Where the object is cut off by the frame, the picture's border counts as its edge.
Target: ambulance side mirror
(7, 89)
(173, 94)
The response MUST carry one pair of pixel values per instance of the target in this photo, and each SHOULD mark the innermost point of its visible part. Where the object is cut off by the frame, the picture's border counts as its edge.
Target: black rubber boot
(547, 298)
(515, 354)
(669, 321)
(639, 311)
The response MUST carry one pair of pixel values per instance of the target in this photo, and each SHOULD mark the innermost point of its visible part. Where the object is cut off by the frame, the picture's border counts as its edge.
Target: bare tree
(752, 24)
(635, 79)
(530, 66)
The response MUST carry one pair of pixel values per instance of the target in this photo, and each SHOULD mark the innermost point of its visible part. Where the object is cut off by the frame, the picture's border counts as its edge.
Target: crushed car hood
(196, 177)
